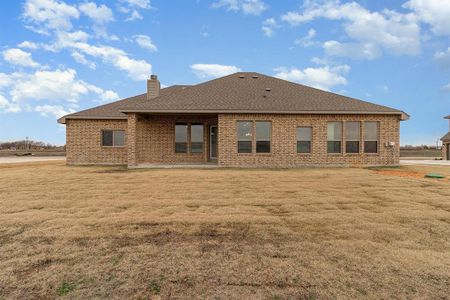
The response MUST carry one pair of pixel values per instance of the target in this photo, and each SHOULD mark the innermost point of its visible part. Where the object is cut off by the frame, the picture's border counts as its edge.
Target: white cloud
(387, 31)
(355, 50)
(99, 14)
(6, 106)
(269, 26)
(145, 42)
(77, 42)
(253, 7)
(446, 88)
(324, 78)
(135, 69)
(19, 57)
(433, 12)
(100, 31)
(145, 4)
(81, 59)
(443, 58)
(307, 41)
(384, 88)
(5, 80)
(248, 7)
(47, 91)
(133, 6)
(109, 96)
(52, 110)
(135, 15)
(55, 17)
(51, 14)
(213, 70)
(28, 45)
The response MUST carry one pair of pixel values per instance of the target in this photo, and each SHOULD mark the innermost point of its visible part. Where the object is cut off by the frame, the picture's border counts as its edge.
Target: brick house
(240, 120)
(446, 144)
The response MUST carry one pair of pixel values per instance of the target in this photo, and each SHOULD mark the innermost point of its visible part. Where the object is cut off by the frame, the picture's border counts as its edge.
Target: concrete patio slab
(175, 166)
(27, 159)
(425, 162)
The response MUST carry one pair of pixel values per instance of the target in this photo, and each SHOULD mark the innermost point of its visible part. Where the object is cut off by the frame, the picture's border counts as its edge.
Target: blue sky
(57, 57)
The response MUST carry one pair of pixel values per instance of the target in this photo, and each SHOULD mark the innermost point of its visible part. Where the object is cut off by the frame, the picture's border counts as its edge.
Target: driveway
(425, 162)
(25, 159)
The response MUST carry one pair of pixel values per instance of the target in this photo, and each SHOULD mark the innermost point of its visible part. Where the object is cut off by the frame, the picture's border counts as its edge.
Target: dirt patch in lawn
(401, 173)
(101, 232)
(410, 172)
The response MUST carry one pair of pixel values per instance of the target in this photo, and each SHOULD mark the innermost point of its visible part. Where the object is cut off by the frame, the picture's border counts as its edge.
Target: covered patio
(167, 139)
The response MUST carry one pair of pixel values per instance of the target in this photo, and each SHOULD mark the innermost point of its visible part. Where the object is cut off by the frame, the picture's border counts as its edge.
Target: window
(304, 135)
(263, 133)
(113, 138)
(244, 135)
(181, 139)
(196, 138)
(371, 137)
(352, 130)
(334, 137)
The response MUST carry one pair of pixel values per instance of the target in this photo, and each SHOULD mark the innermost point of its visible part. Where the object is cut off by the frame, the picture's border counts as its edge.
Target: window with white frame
(181, 137)
(371, 137)
(304, 137)
(263, 136)
(334, 140)
(352, 134)
(244, 136)
(196, 138)
(113, 138)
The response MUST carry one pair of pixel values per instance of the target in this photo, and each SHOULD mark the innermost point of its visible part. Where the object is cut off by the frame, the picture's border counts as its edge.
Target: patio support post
(132, 139)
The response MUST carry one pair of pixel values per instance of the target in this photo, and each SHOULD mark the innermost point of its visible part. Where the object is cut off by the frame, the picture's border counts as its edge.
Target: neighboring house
(240, 120)
(446, 144)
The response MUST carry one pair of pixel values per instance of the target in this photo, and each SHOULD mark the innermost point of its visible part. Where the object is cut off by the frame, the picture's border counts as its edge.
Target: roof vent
(255, 76)
(241, 76)
(268, 89)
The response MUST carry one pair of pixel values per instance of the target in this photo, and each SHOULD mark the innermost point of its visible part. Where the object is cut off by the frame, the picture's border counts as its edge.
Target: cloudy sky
(58, 57)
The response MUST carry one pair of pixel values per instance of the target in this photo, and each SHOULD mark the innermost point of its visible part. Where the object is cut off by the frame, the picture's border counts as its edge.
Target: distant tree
(29, 145)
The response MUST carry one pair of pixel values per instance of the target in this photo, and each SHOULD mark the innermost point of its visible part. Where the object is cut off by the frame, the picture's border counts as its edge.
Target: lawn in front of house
(106, 232)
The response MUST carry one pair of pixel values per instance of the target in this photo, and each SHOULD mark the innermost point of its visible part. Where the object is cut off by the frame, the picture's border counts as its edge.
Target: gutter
(63, 119)
(403, 116)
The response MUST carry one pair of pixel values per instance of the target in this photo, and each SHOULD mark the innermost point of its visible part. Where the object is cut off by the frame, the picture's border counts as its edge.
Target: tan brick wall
(155, 139)
(83, 139)
(150, 139)
(444, 151)
(284, 152)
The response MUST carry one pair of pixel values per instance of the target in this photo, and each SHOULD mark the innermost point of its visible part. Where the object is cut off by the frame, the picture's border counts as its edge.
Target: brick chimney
(153, 87)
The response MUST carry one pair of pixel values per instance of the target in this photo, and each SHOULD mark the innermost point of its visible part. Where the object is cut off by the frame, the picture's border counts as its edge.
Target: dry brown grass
(102, 232)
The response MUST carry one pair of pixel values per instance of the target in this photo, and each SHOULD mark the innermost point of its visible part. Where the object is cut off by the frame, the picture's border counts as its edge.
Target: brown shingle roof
(247, 92)
(446, 137)
(113, 110)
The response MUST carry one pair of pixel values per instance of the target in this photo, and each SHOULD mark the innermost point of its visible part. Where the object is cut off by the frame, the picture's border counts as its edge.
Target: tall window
(196, 138)
(371, 137)
(244, 135)
(263, 133)
(352, 130)
(304, 135)
(181, 138)
(113, 138)
(334, 137)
